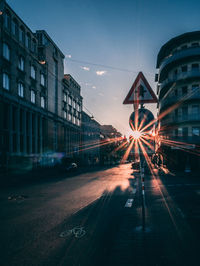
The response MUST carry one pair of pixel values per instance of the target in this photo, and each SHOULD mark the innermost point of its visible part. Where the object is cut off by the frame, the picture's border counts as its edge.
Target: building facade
(35, 124)
(111, 140)
(178, 88)
(90, 149)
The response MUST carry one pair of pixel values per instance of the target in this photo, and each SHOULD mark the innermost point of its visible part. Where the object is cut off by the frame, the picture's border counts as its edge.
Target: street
(96, 219)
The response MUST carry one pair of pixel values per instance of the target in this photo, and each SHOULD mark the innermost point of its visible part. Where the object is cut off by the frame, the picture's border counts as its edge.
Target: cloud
(68, 56)
(94, 87)
(88, 84)
(101, 94)
(101, 73)
(85, 68)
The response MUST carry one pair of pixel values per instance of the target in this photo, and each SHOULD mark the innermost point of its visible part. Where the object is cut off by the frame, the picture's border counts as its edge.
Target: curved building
(178, 89)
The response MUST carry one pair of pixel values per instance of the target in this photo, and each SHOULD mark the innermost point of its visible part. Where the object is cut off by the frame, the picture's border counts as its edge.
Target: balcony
(187, 140)
(182, 55)
(181, 76)
(175, 99)
(186, 118)
(180, 119)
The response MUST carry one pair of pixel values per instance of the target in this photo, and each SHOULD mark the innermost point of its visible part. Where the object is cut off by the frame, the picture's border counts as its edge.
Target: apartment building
(178, 89)
(34, 123)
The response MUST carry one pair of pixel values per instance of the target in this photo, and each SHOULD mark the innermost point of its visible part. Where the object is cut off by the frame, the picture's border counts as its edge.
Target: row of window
(21, 64)
(194, 111)
(184, 131)
(185, 89)
(72, 102)
(184, 69)
(187, 45)
(20, 86)
(71, 118)
(19, 32)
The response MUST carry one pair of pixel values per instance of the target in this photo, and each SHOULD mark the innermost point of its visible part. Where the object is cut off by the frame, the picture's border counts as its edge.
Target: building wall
(179, 95)
(32, 122)
(90, 140)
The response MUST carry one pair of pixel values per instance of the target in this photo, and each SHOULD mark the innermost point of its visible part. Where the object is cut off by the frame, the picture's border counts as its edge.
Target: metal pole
(143, 191)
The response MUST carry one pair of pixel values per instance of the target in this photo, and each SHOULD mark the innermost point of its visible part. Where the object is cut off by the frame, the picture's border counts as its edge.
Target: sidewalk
(43, 175)
(167, 239)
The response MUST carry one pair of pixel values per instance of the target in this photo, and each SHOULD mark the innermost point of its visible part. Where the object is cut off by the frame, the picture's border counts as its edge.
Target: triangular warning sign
(140, 92)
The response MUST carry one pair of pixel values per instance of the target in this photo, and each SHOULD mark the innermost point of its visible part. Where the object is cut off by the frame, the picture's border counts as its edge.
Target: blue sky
(124, 34)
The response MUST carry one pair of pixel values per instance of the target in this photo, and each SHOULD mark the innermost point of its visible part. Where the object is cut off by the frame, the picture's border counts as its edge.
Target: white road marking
(129, 203)
(77, 231)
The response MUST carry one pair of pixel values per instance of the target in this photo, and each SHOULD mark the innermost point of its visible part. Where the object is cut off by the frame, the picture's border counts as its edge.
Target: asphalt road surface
(96, 219)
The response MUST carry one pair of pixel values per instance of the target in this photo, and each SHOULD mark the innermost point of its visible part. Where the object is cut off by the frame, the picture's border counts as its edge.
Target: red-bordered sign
(140, 92)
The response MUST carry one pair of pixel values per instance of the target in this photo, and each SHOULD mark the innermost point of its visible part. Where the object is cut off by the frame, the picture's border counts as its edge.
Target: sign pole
(140, 93)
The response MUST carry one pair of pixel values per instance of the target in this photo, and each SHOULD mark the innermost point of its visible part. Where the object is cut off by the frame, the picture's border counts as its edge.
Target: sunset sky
(108, 42)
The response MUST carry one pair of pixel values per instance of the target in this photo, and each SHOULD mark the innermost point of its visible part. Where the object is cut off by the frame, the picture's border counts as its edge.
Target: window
(6, 51)
(195, 44)
(184, 90)
(185, 112)
(28, 41)
(195, 67)
(70, 100)
(184, 69)
(7, 21)
(74, 120)
(14, 28)
(6, 81)
(34, 47)
(195, 87)
(42, 79)
(78, 107)
(195, 131)
(78, 122)
(180, 131)
(184, 47)
(195, 110)
(32, 96)
(65, 97)
(74, 104)
(69, 117)
(185, 132)
(42, 102)
(21, 63)
(20, 89)
(65, 114)
(33, 72)
(21, 35)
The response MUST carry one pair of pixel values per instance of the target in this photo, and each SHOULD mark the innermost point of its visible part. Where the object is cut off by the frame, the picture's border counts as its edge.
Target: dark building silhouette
(178, 79)
(90, 139)
(40, 107)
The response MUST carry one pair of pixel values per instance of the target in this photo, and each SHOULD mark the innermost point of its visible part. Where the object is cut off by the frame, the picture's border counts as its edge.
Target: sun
(136, 134)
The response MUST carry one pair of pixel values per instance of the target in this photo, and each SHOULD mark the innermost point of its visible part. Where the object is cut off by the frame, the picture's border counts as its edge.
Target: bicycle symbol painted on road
(77, 231)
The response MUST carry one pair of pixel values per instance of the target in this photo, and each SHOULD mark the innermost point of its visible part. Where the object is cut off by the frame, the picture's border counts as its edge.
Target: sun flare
(136, 134)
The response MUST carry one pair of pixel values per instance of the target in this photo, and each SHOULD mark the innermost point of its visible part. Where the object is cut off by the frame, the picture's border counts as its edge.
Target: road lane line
(129, 203)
